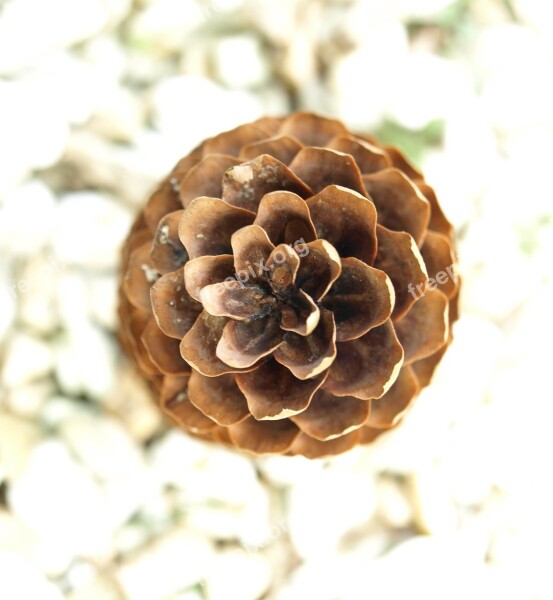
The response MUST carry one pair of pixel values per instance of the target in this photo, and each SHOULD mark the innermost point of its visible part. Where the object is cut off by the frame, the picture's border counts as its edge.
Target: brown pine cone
(275, 290)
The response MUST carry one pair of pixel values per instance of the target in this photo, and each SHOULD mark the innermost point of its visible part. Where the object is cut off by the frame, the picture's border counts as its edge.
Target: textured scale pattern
(275, 290)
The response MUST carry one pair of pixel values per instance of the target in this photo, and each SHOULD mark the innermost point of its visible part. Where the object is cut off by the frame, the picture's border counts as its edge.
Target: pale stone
(103, 298)
(394, 507)
(59, 409)
(130, 399)
(34, 134)
(435, 512)
(176, 561)
(420, 71)
(424, 566)
(29, 400)
(118, 115)
(361, 105)
(17, 440)
(240, 62)
(8, 298)
(351, 500)
(50, 557)
(201, 96)
(27, 219)
(21, 581)
(130, 537)
(249, 523)
(285, 471)
(37, 306)
(101, 587)
(107, 55)
(237, 575)
(203, 471)
(323, 578)
(71, 508)
(27, 359)
(79, 22)
(85, 361)
(90, 228)
(162, 24)
(130, 172)
(536, 14)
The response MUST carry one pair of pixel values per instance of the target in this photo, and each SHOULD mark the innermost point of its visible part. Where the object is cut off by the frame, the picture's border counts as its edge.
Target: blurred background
(99, 499)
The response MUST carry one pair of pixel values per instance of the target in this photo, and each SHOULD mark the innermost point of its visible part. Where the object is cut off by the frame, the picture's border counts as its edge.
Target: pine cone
(275, 291)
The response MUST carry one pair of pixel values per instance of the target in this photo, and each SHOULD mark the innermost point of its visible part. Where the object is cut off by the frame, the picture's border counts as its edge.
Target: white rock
(77, 85)
(85, 361)
(15, 537)
(239, 61)
(323, 578)
(34, 133)
(358, 103)
(107, 55)
(237, 575)
(176, 561)
(423, 567)
(300, 62)
(28, 400)
(131, 400)
(20, 581)
(59, 409)
(535, 13)
(8, 297)
(393, 505)
(276, 20)
(80, 21)
(101, 587)
(45, 553)
(217, 522)
(163, 23)
(467, 468)
(285, 471)
(103, 292)
(182, 130)
(118, 115)
(435, 512)
(80, 574)
(130, 537)
(27, 359)
(71, 511)
(528, 104)
(481, 360)
(215, 7)
(388, 452)
(113, 457)
(326, 506)
(130, 172)
(17, 440)
(90, 228)
(423, 10)
(466, 126)
(26, 222)
(203, 471)
(103, 445)
(37, 304)
(420, 71)
(249, 523)
(157, 513)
